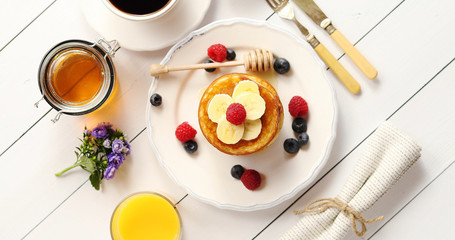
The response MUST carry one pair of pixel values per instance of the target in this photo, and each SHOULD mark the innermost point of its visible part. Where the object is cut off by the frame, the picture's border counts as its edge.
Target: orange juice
(145, 216)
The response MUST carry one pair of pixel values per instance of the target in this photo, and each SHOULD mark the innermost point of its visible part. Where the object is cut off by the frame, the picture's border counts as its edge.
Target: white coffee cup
(123, 12)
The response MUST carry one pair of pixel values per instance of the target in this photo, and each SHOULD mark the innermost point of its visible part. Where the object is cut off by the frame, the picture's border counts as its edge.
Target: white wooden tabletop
(410, 42)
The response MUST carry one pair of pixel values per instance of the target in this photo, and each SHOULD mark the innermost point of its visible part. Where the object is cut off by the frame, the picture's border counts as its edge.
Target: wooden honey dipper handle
(256, 60)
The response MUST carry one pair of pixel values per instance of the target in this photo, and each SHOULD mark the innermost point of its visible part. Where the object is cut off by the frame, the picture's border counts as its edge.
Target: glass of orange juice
(145, 215)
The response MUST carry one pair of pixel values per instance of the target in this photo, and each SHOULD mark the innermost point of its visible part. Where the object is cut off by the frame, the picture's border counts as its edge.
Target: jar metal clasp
(37, 103)
(110, 47)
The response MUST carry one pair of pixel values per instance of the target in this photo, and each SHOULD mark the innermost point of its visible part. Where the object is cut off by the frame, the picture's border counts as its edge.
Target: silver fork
(286, 11)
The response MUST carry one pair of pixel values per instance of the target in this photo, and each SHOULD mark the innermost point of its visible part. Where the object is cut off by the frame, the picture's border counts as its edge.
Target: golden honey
(76, 76)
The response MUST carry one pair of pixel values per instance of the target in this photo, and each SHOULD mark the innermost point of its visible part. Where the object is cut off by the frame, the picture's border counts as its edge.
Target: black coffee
(139, 7)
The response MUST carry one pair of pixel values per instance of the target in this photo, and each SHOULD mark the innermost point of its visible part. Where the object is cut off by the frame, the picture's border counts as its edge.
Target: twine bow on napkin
(320, 205)
(388, 154)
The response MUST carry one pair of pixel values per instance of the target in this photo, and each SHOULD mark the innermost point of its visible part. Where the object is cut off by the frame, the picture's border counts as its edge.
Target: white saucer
(145, 36)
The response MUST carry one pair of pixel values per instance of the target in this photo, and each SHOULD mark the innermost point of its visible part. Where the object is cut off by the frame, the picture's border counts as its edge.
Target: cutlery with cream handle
(316, 14)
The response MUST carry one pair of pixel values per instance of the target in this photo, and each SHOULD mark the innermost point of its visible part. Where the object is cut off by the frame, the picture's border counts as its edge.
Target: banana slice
(245, 86)
(252, 129)
(228, 132)
(217, 106)
(254, 105)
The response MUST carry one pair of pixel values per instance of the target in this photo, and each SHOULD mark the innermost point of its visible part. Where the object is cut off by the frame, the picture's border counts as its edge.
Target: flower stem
(68, 168)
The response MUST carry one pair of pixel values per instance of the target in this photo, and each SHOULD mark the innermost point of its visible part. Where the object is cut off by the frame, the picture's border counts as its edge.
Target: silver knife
(316, 14)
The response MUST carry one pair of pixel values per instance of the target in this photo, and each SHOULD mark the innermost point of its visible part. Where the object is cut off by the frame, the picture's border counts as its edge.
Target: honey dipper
(257, 60)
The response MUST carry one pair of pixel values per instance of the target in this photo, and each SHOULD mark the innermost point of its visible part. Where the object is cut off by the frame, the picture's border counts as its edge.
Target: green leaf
(88, 163)
(117, 134)
(95, 180)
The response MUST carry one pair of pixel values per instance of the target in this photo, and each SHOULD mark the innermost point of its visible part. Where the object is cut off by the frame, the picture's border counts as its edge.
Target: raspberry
(251, 179)
(236, 113)
(217, 52)
(185, 132)
(298, 106)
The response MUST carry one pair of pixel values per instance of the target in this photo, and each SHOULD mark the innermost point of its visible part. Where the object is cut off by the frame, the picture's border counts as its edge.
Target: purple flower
(87, 132)
(126, 148)
(99, 132)
(115, 159)
(107, 143)
(110, 171)
(117, 145)
(106, 125)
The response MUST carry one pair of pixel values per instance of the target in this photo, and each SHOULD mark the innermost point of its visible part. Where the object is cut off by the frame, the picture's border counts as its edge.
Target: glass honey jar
(77, 77)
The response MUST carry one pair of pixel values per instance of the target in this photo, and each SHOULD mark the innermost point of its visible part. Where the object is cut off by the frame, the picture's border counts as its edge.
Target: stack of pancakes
(272, 120)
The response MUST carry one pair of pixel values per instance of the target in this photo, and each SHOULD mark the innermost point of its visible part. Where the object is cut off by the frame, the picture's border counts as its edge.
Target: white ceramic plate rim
(316, 170)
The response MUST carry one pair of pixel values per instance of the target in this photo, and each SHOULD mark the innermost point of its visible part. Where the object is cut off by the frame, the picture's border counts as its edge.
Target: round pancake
(272, 120)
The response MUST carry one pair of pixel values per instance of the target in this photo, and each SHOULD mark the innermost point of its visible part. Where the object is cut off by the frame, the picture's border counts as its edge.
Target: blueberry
(237, 171)
(209, 69)
(291, 145)
(190, 146)
(155, 99)
(230, 54)
(281, 65)
(302, 139)
(299, 125)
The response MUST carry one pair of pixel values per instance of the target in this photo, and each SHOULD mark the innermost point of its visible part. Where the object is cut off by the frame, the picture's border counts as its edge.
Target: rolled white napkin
(388, 154)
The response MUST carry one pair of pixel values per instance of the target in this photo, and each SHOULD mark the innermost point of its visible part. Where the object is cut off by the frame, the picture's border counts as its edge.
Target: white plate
(146, 36)
(206, 173)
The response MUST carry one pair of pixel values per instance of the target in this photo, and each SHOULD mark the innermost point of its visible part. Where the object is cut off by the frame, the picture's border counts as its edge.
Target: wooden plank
(19, 85)
(375, 101)
(353, 18)
(39, 190)
(430, 212)
(140, 172)
(437, 154)
(350, 113)
(48, 148)
(395, 44)
(73, 184)
(437, 142)
(15, 16)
